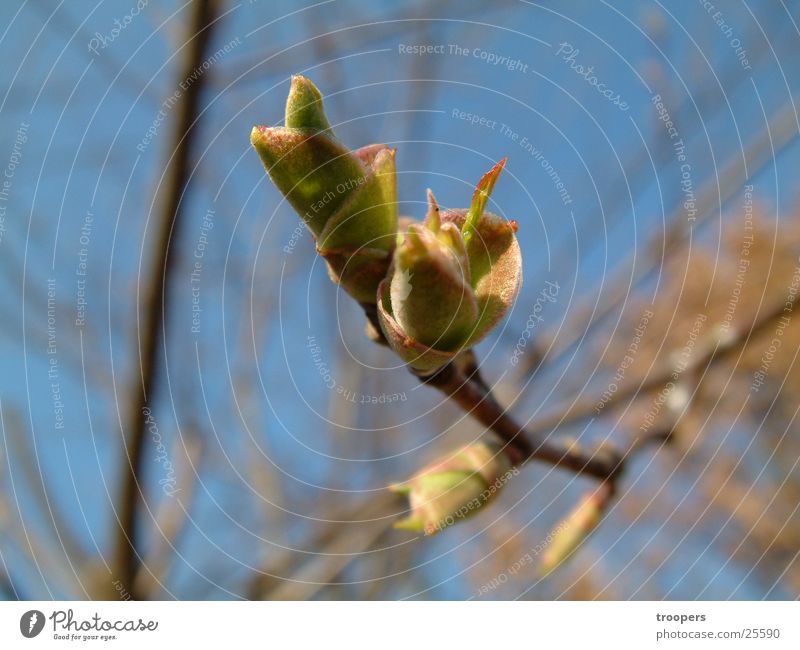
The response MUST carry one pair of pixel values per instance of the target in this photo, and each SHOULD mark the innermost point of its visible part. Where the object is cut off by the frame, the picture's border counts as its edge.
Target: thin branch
(779, 132)
(460, 381)
(521, 445)
(344, 546)
(176, 178)
(584, 409)
(638, 167)
(365, 521)
(33, 484)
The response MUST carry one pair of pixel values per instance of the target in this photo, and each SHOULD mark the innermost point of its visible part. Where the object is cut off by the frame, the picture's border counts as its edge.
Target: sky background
(262, 451)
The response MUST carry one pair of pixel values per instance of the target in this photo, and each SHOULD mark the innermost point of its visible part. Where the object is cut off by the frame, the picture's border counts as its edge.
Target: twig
(564, 414)
(176, 178)
(781, 130)
(521, 446)
(461, 381)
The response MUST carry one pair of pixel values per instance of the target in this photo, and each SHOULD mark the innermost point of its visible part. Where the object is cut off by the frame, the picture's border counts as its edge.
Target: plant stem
(472, 395)
(461, 381)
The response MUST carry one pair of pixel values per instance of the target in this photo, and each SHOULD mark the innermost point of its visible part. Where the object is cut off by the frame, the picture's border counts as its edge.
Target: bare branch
(778, 133)
(155, 299)
(714, 352)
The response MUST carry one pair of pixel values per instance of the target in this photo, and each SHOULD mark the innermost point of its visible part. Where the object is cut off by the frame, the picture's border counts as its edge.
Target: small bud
(348, 199)
(453, 488)
(575, 528)
(453, 278)
(433, 300)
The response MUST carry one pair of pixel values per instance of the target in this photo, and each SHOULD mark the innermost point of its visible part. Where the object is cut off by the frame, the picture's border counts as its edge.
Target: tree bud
(576, 527)
(348, 199)
(453, 279)
(454, 487)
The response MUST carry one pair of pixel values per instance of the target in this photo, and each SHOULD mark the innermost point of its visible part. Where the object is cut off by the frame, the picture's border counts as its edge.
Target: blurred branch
(26, 460)
(39, 548)
(340, 551)
(169, 196)
(636, 180)
(172, 520)
(714, 352)
(780, 131)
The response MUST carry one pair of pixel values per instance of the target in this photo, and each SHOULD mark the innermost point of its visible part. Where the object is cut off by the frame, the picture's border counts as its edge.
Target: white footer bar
(239, 625)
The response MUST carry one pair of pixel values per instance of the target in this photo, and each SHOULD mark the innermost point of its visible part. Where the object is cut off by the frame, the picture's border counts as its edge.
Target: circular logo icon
(31, 623)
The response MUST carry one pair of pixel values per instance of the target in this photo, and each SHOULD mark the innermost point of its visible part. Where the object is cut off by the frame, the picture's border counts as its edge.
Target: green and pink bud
(348, 199)
(453, 279)
(454, 488)
(573, 530)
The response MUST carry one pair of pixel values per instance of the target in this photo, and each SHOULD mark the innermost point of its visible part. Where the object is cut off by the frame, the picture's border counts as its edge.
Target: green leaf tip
(347, 198)
(304, 108)
(483, 191)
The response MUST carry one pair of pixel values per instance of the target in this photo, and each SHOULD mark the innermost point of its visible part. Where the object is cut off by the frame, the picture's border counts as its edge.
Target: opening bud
(453, 279)
(348, 199)
(454, 487)
(570, 533)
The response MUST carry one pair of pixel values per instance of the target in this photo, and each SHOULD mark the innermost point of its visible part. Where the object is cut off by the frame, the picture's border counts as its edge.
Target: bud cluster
(453, 278)
(438, 286)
